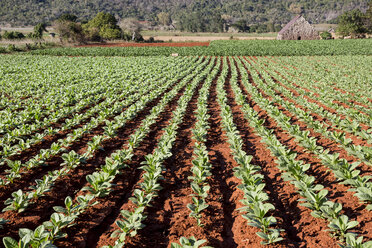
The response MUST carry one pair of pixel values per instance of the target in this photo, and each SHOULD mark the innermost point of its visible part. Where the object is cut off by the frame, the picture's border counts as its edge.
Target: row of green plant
(32, 125)
(314, 196)
(325, 78)
(229, 48)
(255, 201)
(333, 120)
(363, 153)
(345, 172)
(135, 102)
(153, 167)
(351, 80)
(347, 114)
(201, 167)
(20, 201)
(343, 118)
(99, 183)
(25, 100)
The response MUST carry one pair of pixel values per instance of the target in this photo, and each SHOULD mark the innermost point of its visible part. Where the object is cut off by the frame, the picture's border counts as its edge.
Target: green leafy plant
(99, 184)
(340, 226)
(129, 223)
(191, 242)
(18, 203)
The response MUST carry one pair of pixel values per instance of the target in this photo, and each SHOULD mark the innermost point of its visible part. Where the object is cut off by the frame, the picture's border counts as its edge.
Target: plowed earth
(168, 218)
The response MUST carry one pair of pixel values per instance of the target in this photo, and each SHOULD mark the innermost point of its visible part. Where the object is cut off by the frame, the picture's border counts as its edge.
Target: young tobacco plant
(40, 238)
(74, 210)
(100, 184)
(55, 225)
(129, 223)
(196, 207)
(340, 225)
(353, 242)
(19, 202)
(191, 242)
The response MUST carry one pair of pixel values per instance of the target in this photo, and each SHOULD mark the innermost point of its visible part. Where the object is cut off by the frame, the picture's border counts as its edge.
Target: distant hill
(30, 12)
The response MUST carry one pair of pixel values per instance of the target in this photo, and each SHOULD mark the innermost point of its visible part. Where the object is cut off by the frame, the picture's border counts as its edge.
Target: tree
(38, 32)
(270, 27)
(68, 17)
(164, 18)
(68, 29)
(39, 29)
(132, 26)
(368, 18)
(192, 22)
(102, 26)
(241, 25)
(216, 24)
(351, 23)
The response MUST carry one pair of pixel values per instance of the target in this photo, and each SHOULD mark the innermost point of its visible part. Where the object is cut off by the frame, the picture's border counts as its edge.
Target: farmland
(239, 151)
(228, 48)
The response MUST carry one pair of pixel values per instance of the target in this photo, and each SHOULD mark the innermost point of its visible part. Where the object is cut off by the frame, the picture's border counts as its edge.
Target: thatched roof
(289, 24)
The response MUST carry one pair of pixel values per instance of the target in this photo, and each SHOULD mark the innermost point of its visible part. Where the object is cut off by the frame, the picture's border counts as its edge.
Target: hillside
(30, 12)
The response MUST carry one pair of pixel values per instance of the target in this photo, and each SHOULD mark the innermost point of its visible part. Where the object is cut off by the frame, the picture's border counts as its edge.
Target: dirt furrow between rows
(105, 230)
(325, 142)
(68, 185)
(356, 140)
(337, 192)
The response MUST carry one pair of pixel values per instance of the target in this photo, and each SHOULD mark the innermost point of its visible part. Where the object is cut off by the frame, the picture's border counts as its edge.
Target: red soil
(337, 192)
(168, 219)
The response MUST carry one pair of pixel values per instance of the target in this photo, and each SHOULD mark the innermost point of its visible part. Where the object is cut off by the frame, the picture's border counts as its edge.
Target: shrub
(69, 31)
(326, 35)
(13, 35)
(13, 48)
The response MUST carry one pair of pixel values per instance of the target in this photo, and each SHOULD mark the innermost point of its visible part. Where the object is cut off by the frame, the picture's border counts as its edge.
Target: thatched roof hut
(298, 29)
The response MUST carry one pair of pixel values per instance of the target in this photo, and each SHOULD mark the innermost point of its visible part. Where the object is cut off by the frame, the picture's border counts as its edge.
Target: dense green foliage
(326, 35)
(251, 47)
(68, 29)
(368, 20)
(12, 35)
(23, 12)
(38, 32)
(351, 23)
(103, 25)
(223, 102)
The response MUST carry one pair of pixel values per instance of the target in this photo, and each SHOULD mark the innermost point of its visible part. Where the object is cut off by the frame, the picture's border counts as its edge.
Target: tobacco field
(196, 151)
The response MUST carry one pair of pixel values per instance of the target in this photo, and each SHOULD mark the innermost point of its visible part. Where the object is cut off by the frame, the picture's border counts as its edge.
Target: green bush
(13, 48)
(109, 33)
(102, 26)
(13, 35)
(326, 35)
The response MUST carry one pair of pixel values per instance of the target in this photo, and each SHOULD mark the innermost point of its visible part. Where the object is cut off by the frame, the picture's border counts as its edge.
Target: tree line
(27, 12)
(355, 23)
(105, 26)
